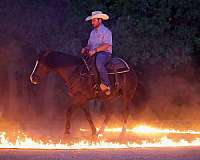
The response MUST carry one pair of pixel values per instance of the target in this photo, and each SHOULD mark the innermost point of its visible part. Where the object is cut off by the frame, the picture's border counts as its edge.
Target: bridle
(34, 69)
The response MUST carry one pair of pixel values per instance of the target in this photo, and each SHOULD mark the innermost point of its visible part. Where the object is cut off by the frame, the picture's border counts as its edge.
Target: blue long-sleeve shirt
(99, 36)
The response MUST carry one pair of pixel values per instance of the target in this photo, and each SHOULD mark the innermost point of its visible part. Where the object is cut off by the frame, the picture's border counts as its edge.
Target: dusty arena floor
(177, 153)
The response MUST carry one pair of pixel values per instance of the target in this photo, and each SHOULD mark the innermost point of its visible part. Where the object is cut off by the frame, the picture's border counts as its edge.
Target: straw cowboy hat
(97, 14)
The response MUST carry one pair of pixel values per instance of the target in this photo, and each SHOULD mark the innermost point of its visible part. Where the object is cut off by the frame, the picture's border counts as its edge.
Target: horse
(80, 87)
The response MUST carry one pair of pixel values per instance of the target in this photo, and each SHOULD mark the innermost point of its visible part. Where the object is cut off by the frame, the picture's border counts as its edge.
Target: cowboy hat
(97, 14)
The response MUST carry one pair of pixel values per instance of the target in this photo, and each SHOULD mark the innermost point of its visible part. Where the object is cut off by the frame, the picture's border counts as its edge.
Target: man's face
(96, 22)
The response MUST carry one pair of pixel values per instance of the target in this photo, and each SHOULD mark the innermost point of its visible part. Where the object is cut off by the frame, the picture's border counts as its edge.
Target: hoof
(94, 138)
(67, 139)
(67, 136)
(100, 132)
(122, 136)
(67, 132)
(123, 140)
(94, 133)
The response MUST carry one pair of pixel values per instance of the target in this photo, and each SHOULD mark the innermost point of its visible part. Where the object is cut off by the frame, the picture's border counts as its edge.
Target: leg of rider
(101, 59)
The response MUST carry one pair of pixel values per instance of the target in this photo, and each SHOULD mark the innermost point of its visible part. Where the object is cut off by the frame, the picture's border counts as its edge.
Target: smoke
(167, 95)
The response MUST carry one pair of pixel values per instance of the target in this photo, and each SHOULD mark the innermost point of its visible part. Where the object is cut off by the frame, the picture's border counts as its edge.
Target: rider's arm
(103, 47)
(87, 47)
(107, 42)
(89, 42)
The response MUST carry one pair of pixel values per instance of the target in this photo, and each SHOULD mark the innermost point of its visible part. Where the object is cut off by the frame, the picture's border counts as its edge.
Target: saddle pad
(117, 65)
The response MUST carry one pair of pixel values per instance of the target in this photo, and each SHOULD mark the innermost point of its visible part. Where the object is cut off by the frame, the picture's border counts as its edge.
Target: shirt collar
(100, 27)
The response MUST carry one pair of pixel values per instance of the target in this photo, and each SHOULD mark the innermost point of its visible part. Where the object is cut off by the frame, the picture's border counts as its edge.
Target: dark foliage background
(160, 38)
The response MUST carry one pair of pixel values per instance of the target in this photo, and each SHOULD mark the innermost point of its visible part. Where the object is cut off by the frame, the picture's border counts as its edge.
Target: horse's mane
(56, 59)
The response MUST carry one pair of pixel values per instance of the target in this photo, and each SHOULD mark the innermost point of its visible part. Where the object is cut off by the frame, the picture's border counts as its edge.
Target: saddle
(114, 66)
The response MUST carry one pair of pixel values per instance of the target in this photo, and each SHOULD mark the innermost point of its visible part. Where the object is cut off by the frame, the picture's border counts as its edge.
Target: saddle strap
(116, 78)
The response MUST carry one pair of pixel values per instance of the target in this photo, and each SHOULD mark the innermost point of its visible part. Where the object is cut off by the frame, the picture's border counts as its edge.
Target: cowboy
(100, 45)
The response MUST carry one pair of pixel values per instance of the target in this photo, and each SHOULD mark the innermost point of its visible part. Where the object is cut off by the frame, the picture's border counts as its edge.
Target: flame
(22, 141)
(144, 129)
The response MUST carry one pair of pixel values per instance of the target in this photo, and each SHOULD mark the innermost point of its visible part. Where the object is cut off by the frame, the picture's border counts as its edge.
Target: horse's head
(52, 60)
(40, 70)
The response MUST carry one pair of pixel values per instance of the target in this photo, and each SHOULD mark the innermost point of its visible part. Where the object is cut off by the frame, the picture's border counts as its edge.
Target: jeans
(102, 58)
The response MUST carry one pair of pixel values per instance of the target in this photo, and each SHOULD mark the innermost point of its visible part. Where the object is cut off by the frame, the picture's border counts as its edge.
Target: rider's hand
(92, 52)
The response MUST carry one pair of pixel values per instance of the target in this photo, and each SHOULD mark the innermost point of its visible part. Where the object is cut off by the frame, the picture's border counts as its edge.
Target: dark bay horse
(68, 67)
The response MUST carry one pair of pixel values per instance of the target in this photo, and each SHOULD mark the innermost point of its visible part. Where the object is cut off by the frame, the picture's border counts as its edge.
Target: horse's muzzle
(35, 79)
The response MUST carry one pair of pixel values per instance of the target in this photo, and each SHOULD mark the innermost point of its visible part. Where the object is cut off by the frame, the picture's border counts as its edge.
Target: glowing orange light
(144, 129)
(24, 142)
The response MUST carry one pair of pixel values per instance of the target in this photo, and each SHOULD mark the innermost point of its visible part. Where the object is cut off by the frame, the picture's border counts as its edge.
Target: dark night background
(160, 38)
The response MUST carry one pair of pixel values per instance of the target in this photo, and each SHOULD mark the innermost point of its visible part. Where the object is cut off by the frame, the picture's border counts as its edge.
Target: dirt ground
(175, 153)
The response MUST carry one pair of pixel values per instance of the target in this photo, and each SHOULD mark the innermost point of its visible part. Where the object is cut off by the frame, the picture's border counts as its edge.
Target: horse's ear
(47, 51)
(40, 55)
(44, 53)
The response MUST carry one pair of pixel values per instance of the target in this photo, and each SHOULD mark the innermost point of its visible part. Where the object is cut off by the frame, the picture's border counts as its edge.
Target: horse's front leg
(126, 111)
(68, 119)
(74, 103)
(89, 119)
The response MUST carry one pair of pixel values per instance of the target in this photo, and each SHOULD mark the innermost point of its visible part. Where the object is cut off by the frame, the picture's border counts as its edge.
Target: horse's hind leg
(126, 111)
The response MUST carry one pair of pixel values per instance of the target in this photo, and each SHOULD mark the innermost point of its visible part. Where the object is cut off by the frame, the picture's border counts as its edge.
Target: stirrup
(95, 88)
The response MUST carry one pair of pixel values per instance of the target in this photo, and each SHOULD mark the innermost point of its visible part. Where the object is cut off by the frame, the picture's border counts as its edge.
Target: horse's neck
(66, 73)
(70, 75)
